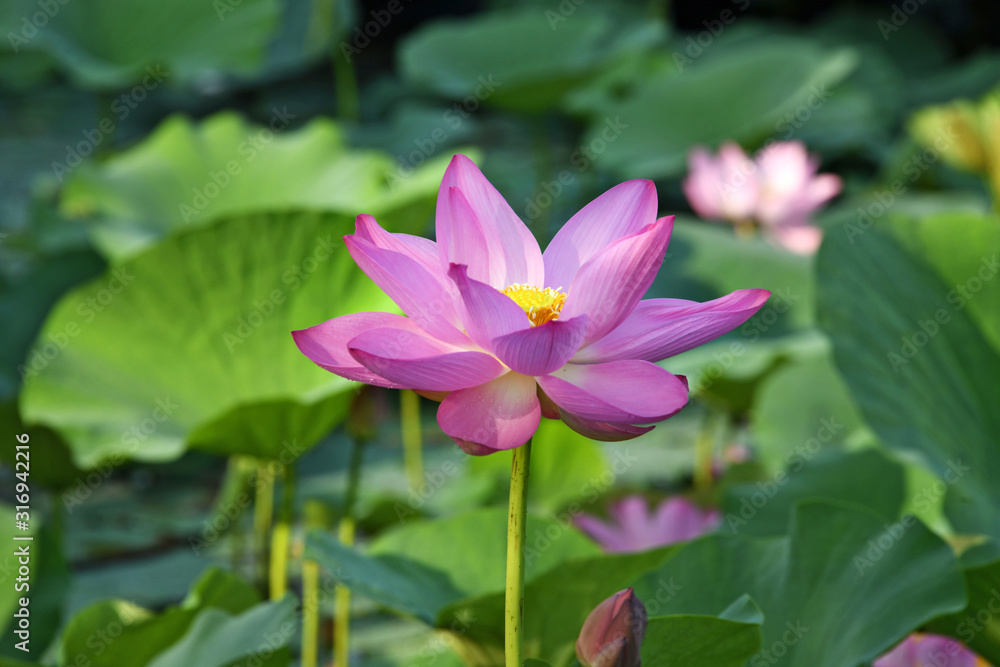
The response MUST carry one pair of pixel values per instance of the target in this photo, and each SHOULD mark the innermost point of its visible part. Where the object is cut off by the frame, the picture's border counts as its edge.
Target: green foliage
(918, 362)
(188, 345)
(188, 175)
(842, 587)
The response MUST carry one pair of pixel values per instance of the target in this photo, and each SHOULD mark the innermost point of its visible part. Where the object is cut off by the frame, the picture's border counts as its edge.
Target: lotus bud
(612, 634)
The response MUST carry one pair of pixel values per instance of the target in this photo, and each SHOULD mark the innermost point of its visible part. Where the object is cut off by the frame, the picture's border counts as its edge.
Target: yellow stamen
(539, 304)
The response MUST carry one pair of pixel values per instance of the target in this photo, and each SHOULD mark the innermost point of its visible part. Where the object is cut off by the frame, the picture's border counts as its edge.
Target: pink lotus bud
(612, 634)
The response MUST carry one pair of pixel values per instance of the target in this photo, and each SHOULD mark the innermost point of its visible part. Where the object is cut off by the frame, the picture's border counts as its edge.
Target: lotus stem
(705, 451)
(345, 533)
(281, 536)
(413, 456)
(263, 513)
(315, 517)
(516, 518)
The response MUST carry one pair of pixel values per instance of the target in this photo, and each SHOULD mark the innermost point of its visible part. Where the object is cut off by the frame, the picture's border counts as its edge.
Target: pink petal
(423, 251)
(620, 392)
(514, 253)
(677, 519)
(417, 361)
(326, 344)
(466, 242)
(621, 211)
(661, 328)
(414, 289)
(603, 431)
(542, 349)
(919, 650)
(502, 414)
(608, 287)
(487, 313)
(611, 538)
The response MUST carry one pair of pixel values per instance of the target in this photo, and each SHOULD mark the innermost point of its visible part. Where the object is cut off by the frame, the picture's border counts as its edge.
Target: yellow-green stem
(263, 513)
(705, 452)
(516, 516)
(281, 536)
(315, 518)
(345, 533)
(413, 456)
(344, 79)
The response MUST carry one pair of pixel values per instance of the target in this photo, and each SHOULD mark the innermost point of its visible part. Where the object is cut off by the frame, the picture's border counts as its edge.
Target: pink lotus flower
(502, 334)
(920, 650)
(633, 528)
(779, 191)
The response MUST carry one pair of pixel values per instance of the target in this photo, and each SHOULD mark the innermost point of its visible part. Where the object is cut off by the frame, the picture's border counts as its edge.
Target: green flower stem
(345, 82)
(281, 535)
(413, 456)
(315, 517)
(263, 513)
(516, 517)
(705, 450)
(345, 533)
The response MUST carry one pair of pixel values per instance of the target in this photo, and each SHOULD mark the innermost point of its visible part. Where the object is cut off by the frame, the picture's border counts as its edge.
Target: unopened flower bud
(612, 634)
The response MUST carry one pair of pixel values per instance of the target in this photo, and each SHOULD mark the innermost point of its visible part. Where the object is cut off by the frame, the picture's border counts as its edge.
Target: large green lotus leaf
(111, 43)
(649, 133)
(448, 543)
(699, 641)
(921, 370)
(182, 339)
(186, 174)
(866, 479)
(520, 59)
(964, 249)
(112, 633)
(805, 405)
(566, 467)
(840, 589)
(217, 638)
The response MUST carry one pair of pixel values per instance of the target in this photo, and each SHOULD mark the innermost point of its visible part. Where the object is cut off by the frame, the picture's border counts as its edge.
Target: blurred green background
(175, 180)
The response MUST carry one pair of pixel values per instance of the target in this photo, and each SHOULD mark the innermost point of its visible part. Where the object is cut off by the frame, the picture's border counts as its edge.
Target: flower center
(539, 304)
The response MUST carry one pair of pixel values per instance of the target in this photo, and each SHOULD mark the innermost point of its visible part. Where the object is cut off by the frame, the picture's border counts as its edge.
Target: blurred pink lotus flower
(502, 334)
(919, 650)
(612, 634)
(634, 528)
(778, 191)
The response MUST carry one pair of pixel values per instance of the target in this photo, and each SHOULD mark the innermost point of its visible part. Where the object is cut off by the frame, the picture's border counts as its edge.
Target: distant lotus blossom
(778, 191)
(502, 334)
(920, 650)
(634, 528)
